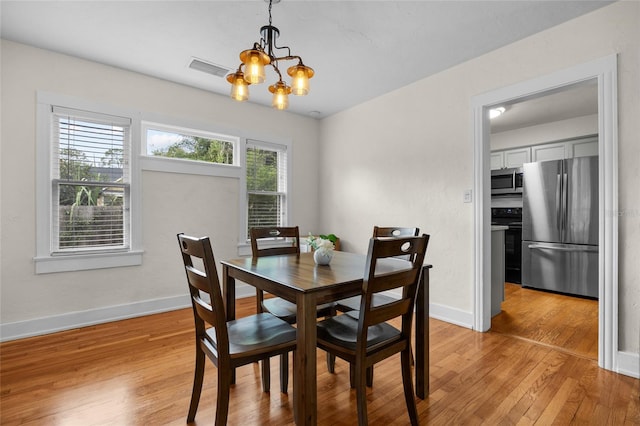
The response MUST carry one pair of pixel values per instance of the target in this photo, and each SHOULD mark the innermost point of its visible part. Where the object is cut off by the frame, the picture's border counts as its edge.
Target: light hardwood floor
(139, 372)
(562, 322)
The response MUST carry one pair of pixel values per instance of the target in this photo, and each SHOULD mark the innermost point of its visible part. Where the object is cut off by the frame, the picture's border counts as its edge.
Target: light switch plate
(467, 197)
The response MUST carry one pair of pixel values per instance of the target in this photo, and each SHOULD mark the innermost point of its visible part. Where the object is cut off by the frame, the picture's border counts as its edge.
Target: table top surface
(300, 273)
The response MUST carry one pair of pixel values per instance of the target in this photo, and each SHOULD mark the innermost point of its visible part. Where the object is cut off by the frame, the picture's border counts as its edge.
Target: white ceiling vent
(209, 68)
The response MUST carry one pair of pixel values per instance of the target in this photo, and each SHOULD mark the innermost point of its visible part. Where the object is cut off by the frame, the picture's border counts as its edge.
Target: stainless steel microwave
(507, 181)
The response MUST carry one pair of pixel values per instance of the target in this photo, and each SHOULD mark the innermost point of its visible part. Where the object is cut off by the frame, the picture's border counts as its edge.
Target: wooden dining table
(298, 279)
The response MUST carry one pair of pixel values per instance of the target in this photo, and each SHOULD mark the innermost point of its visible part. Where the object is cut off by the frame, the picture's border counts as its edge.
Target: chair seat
(342, 330)
(287, 311)
(257, 333)
(353, 303)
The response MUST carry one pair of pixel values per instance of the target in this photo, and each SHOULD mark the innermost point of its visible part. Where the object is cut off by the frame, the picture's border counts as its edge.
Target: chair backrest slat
(393, 282)
(197, 279)
(387, 312)
(204, 310)
(394, 231)
(259, 236)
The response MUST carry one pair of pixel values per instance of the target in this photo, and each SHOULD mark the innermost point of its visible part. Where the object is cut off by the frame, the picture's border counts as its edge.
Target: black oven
(511, 217)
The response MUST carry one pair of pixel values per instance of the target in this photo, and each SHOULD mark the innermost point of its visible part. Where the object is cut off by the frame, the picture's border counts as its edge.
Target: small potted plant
(322, 247)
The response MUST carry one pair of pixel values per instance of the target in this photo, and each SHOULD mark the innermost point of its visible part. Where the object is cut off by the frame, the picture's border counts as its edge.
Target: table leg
(422, 335)
(229, 295)
(304, 377)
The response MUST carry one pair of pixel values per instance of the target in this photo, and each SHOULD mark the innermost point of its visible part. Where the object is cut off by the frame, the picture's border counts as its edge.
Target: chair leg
(352, 376)
(405, 361)
(361, 394)
(413, 361)
(331, 358)
(198, 378)
(266, 375)
(224, 388)
(284, 372)
(370, 376)
(295, 385)
(331, 363)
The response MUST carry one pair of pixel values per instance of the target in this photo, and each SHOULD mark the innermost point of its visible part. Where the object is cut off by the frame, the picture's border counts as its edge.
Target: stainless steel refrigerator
(560, 226)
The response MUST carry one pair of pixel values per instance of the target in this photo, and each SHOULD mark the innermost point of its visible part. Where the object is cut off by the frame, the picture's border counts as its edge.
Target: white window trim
(45, 261)
(244, 245)
(177, 165)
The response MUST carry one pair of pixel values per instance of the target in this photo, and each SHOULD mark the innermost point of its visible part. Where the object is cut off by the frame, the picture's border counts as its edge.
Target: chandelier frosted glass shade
(280, 92)
(254, 62)
(239, 86)
(300, 75)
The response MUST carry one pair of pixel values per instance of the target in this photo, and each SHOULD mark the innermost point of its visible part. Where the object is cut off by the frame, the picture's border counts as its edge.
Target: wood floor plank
(140, 372)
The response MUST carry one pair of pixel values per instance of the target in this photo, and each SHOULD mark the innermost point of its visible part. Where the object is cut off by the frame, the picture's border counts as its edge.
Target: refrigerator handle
(591, 249)
(558, 202)
(565, 201)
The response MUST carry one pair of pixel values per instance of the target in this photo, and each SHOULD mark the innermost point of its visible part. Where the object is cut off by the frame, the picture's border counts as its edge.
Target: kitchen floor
(563, 322)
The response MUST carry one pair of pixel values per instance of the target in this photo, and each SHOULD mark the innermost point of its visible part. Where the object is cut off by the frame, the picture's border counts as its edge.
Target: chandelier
(262, 54)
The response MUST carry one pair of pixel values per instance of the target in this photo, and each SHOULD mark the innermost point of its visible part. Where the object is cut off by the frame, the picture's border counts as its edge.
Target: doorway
(604, 70)
(550, 126)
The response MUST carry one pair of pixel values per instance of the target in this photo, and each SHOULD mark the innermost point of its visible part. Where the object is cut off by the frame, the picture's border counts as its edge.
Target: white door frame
(605, 71)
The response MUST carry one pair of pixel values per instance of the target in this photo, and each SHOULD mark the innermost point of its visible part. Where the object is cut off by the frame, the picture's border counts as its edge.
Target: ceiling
(569, 102)
(358, 49)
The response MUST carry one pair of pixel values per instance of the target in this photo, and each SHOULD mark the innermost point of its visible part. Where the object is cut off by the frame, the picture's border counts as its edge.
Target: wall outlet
(467, 196)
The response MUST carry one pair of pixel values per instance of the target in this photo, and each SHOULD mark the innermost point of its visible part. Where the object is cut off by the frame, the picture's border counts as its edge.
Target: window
(191, 150)
(90, 181)
(267, 184)
(84, 187)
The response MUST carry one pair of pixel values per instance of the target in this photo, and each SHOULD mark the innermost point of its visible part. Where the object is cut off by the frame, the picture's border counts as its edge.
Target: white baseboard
(71, 320)
(629, 364)
(451, 315)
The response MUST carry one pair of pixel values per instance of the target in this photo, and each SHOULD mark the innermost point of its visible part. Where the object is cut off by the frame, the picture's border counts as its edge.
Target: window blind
(266, 166)
(90, 181)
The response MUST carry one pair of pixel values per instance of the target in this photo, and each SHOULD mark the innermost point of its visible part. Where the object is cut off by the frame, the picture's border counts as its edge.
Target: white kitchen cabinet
(510, 158)
(549, 151)
(517, 157)
(583, 147)
(497, 160)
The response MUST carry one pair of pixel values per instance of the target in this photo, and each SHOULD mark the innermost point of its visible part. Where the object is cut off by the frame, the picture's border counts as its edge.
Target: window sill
(83, 262)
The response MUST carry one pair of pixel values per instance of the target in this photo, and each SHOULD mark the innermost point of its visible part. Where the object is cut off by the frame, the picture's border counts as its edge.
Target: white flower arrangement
(320, 244)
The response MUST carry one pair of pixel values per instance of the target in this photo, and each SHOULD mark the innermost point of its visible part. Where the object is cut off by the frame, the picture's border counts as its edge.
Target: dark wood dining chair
(368, 338)
(353, 303)
(272, 241)
(228, 344)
